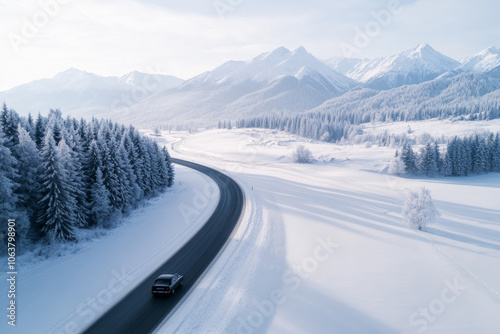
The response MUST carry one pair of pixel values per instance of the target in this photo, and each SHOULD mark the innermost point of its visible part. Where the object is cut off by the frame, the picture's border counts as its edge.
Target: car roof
(166, 276)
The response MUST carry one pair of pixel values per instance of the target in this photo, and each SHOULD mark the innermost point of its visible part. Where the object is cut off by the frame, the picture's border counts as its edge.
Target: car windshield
(163, 281)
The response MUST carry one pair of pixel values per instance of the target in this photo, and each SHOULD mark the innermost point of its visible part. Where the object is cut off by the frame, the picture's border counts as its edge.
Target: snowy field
(65, 294)
(323, 248)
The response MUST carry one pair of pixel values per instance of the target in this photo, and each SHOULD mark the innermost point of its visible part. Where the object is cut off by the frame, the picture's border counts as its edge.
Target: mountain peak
(281, 51)
(71, 71)
(131, 77)
(72, 74)
(424, 47)
(491, 49)
(482, 62)
(422, 50)
(300, 50)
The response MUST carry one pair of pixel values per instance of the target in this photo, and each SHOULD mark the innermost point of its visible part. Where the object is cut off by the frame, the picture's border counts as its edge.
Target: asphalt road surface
(139, 312)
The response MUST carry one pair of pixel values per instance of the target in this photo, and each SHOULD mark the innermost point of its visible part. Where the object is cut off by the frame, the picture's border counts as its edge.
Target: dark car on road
(166, 284)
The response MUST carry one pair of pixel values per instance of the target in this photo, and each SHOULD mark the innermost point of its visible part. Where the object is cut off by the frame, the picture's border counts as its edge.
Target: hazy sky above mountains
(185, 38)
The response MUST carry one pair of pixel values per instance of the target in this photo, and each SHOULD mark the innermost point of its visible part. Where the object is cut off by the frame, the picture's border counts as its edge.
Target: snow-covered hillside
(278, 81)
(413, 66)
(323, 248)
(83, 94)
(459, 95)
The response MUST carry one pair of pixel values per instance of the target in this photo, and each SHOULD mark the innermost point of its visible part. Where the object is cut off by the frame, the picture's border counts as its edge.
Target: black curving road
(139, 312)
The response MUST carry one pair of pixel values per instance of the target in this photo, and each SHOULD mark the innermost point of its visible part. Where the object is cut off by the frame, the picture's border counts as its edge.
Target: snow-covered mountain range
(278, 82)
(80, 93)
(409, 67)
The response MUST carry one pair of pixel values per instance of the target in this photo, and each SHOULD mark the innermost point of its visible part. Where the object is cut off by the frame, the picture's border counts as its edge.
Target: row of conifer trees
(475, 154)
(59, 174)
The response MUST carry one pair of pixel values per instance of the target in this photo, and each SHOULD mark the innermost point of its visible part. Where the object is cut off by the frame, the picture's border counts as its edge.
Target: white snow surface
(322, 247)
(65, 294)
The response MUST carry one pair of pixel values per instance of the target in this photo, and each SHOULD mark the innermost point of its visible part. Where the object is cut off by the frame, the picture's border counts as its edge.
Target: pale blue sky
(185, 38)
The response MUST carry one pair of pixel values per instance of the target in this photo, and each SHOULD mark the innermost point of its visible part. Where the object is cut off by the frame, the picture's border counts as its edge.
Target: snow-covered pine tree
(460, 162)
(39, 131)
(490, 141)
(30, 126)
(438, 157)
(9, 122)
(427, 161)
(451, 159)
(161, 168)
(67, 163)
(56, 208)
(408, 158)
(92, 163)
(147, 169)
(467, 155)
(447, 164)
(132, 190)
(93, 166)
(83, 132)
(28, 167)
(76, 176)
(9, 201)
(108, 169)
(100, 207)
(4, 116)
(170, 169)
(133, 157)
(57, 132)
(479, 155)
(153, 174)
(495, 155)
(120, 190)
(8, 175)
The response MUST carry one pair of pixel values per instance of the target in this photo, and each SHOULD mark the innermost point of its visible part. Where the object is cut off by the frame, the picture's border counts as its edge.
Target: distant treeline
(466, 97)
(331, 128)
(476, 154)
(59, 175)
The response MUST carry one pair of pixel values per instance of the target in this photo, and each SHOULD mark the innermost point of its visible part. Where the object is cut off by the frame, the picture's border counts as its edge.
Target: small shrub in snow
(424, 138)
(419, 210)
(302, 155)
